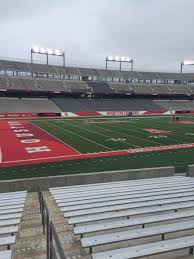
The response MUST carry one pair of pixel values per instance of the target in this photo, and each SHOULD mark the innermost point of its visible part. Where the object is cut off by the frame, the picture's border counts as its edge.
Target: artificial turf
(91, 135)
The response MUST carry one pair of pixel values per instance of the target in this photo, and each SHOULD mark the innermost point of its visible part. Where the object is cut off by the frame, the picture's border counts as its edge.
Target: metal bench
(12, 193)
(90, 242)
(10, 216)
(8, 230)
(11, 202)
(89, 199)
(126, 200)
(5, 254)
(7, 241)
(81, 230)
(117, 183)
(11, 222)
(10, 207)
(13, 197)
(88, 194)
(123, 195)
(126, 206)
(90, 188)
(148, 249)
(130, 212)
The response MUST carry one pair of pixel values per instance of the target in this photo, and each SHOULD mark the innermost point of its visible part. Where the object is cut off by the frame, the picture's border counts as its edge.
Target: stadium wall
(90, 114)
(28, 115)
(79, 179)
(115, 113)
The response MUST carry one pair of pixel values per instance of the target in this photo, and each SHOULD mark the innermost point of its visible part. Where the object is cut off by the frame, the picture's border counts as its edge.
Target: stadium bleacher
(131, 219)
(12, 105)
(11, 208)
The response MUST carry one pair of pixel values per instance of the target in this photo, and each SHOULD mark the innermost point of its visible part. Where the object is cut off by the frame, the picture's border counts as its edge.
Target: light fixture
(188, 62)
(36, 49)
(119, 59)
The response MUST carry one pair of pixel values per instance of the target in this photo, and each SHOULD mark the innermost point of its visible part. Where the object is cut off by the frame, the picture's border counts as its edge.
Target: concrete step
(30, 242)
(69, 241)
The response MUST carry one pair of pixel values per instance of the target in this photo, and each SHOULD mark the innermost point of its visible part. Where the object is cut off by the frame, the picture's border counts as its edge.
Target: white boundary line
(139, 151)
(55, 137)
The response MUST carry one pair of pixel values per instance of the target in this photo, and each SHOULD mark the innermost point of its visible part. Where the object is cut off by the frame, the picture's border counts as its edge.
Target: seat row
(11, 208)
(131, 219)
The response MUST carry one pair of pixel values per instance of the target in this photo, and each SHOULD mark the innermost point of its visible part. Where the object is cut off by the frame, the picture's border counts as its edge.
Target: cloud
(156, 33)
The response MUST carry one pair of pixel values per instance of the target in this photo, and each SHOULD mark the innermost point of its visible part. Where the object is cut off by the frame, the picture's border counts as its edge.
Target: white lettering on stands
(31, 150)
(29, 141)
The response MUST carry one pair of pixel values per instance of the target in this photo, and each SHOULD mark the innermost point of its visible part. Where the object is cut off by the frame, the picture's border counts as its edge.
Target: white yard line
(122, 134)
(103, 135)
(56, 138)
(57, 126)
(142, 134)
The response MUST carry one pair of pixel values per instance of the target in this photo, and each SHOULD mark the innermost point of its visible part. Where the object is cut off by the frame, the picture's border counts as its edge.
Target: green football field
(106, 135)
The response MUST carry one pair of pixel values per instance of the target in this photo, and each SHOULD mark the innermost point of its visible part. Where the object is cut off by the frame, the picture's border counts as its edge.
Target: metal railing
(54, 248)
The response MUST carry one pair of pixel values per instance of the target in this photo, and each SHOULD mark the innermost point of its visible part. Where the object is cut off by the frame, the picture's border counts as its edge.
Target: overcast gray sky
(158, 34)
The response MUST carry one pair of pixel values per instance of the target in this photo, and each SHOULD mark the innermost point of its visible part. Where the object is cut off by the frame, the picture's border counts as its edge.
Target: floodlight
(57, 52)
(188, 62)
(47, 52)
(123, 59)
(110, 58)
(50, 51)
(129, 59)
(36, 49)
(117, 58)
(43, 50)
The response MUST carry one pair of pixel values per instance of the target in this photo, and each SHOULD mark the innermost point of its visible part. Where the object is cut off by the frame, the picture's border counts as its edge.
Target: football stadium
(96, 162)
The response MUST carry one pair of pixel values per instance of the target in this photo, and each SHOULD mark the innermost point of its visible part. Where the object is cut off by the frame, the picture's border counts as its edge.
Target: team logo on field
(156, 131)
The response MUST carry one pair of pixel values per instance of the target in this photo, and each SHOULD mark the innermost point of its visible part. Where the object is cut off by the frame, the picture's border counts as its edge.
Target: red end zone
(22, 143)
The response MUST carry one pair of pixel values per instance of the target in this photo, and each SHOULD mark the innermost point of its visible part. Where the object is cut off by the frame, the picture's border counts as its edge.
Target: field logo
(156, 131)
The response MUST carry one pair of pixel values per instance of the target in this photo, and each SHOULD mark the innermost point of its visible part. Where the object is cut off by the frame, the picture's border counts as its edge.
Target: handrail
(50, 231)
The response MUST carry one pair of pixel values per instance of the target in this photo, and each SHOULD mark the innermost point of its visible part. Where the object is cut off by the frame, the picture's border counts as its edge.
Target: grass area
(90, 135)
(95, 135)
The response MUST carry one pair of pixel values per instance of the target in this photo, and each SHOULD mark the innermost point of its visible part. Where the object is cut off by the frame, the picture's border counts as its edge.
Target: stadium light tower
(186, 63)
(120, 60)
(47, 52)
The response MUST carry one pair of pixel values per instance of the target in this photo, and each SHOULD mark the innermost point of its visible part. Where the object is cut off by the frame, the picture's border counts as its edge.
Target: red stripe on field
(13, 150)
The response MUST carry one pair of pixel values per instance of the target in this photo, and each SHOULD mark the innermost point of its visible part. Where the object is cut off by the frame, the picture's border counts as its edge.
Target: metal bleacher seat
(97, 240)
(148, 249)
(5, 254)
(138, 221)
(11, 208)
(113, 215)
